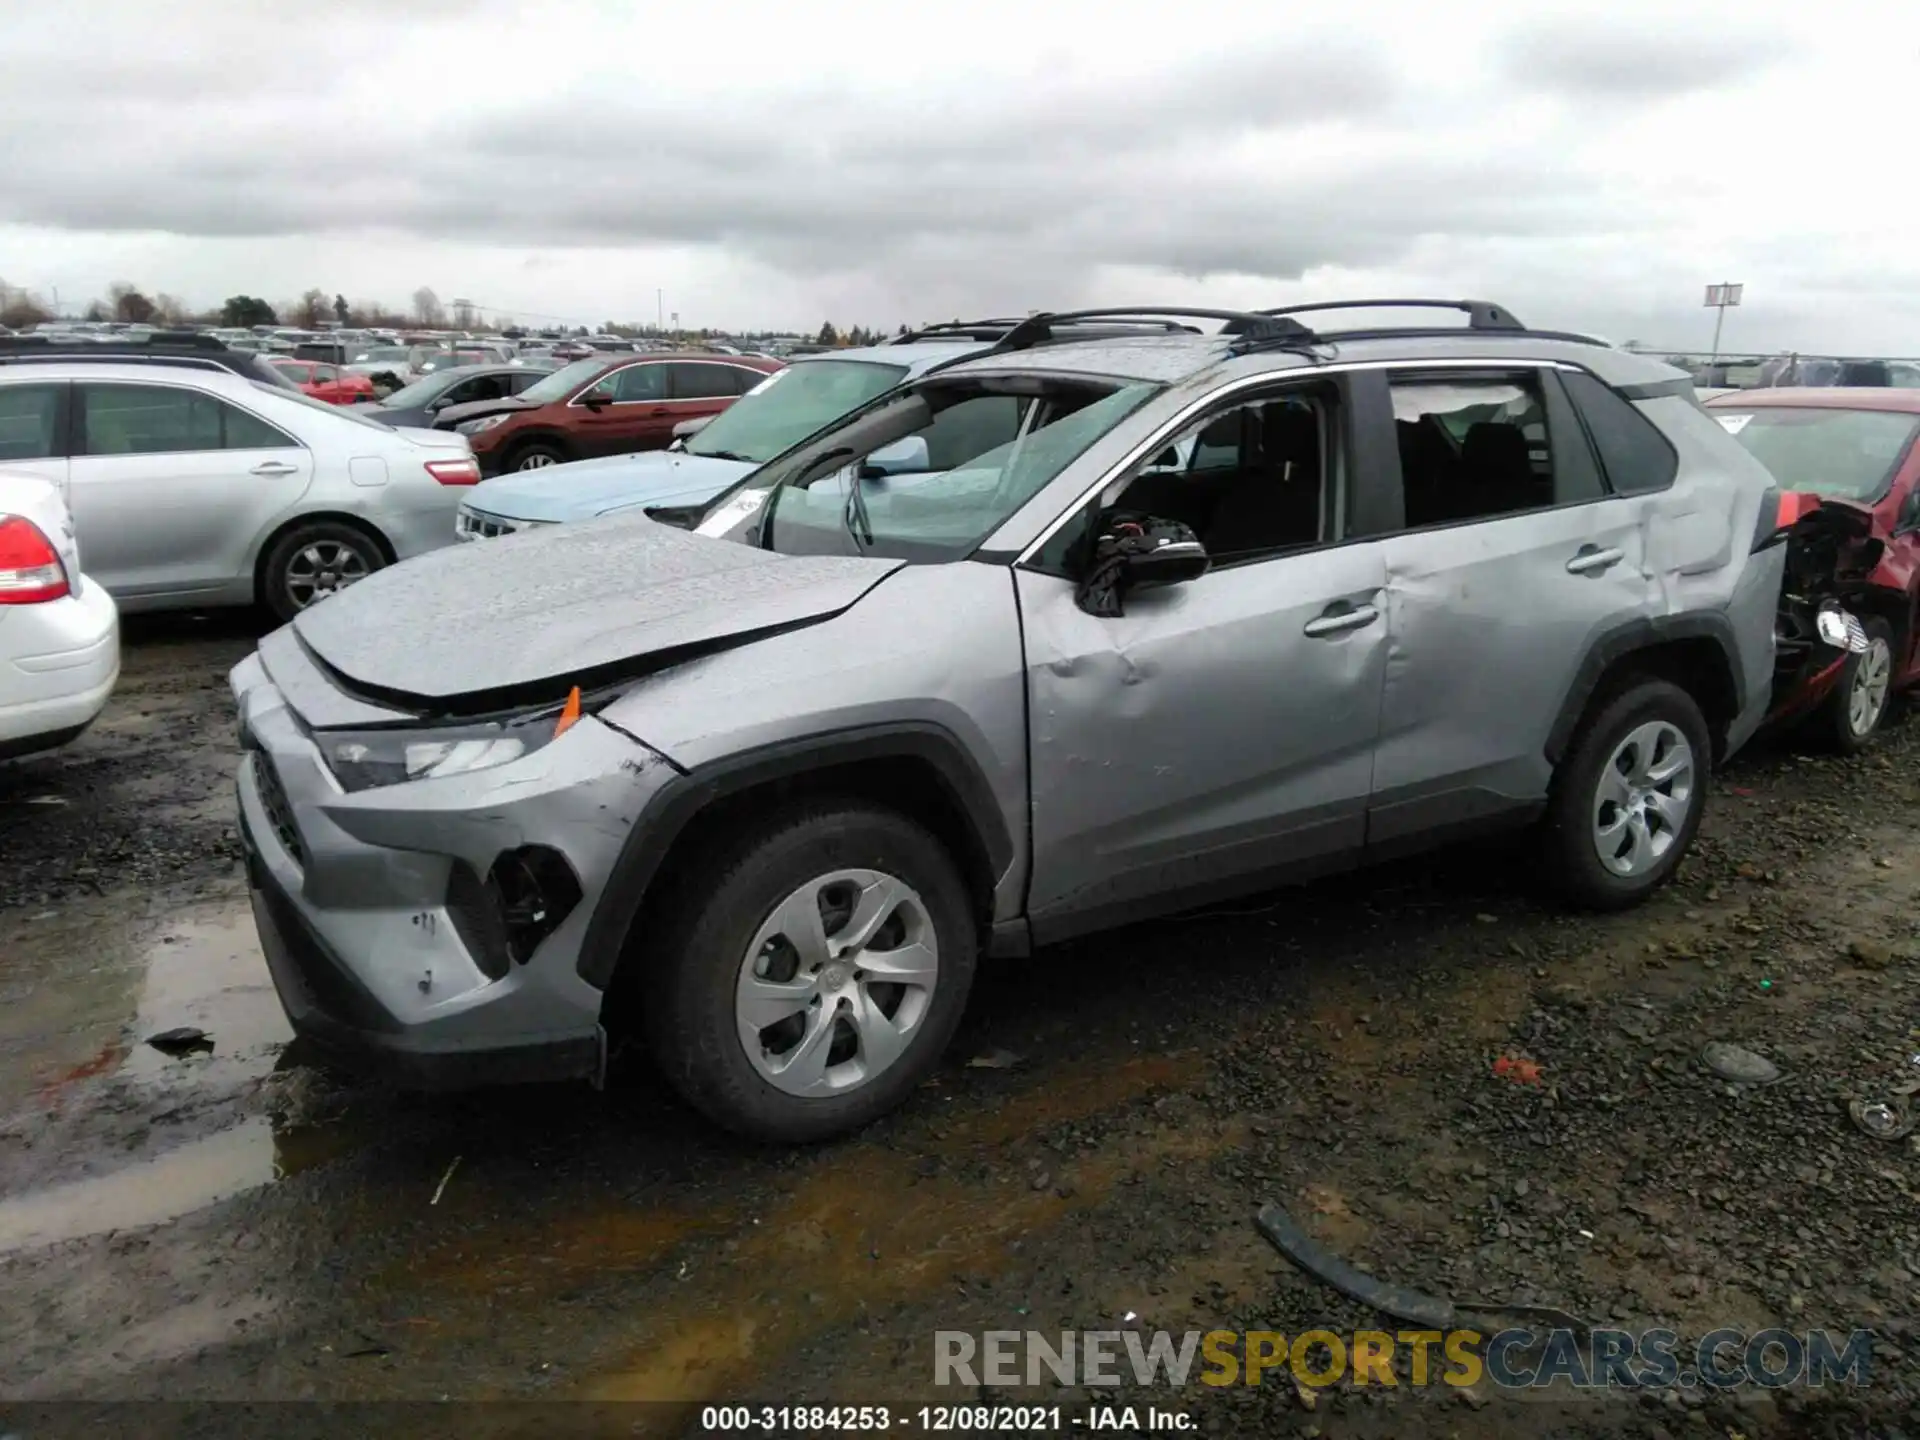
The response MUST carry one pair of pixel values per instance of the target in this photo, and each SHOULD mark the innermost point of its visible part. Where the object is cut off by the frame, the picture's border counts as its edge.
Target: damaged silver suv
(1069, 633)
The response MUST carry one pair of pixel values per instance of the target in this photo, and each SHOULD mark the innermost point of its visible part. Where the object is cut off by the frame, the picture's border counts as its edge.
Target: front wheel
(815, 975)
(1851, 716)
(1628, 796)
(311, 562)
(537, 455)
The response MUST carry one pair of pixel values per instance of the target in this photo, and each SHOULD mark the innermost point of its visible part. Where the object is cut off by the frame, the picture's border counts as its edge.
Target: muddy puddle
(181, 1180)
(82, 988)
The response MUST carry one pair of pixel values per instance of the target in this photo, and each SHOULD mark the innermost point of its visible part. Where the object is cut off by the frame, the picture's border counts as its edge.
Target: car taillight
(30, 568)
(454, 472)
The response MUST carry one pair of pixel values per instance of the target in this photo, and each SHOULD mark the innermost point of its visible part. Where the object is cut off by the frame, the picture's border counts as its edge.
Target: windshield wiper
(856, 512)
(724, 455)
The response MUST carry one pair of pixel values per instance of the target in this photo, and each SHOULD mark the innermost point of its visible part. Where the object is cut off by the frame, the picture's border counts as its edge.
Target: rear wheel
(816, 975)
(1851, 716)
(311, 562)
(536, 455)
(1627, 798)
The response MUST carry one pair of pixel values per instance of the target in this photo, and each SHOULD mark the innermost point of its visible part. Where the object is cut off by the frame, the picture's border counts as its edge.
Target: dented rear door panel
(1487, 629)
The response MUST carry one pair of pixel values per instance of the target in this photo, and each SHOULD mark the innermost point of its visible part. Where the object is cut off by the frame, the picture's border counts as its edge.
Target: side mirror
(691, 427)
(596, 400)
(1139, 552)
(904, 457)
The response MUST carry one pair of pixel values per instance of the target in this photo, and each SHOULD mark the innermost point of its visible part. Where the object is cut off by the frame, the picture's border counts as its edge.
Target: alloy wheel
(837, 982)
(1872, 680)
(1641, 804)
(538, 460)
(322, 568)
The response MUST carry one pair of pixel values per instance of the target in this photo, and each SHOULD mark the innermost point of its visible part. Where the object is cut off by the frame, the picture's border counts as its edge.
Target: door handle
(273, 467)
(1589, 561)
(1338, 622)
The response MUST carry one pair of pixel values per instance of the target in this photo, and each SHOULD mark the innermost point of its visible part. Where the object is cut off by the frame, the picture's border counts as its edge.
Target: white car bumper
(58, 664)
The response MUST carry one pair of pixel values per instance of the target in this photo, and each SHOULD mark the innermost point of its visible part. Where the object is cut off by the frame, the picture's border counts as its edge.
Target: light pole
(1721, 298)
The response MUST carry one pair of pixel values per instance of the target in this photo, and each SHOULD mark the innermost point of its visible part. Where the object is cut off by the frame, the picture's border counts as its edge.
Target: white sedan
(59, 632)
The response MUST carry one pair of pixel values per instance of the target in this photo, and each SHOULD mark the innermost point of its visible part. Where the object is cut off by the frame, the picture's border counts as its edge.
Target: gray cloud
(1610, 58)
(863, 166)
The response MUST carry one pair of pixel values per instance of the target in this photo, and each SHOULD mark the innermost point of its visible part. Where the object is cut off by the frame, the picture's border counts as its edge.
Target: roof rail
(1250, 328)
(1481, 314)
(160, 340)
(996, 330)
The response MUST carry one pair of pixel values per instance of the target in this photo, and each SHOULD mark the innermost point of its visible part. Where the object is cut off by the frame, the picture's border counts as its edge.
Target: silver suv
(1228, 609)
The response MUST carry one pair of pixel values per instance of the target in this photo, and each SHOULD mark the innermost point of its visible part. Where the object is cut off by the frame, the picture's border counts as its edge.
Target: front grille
(273, 799)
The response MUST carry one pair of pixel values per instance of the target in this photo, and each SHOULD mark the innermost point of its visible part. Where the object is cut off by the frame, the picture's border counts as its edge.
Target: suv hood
(474, 409)
(471, 629)
(586, 488)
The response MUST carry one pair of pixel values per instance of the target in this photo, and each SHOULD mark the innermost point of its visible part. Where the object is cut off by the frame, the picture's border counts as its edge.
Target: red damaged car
(1849, 467)
(326, 382)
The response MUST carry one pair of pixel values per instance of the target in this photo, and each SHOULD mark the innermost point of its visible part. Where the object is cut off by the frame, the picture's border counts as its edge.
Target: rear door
(170, 486)
(702, 389)
(1510, 560)
(33, 429)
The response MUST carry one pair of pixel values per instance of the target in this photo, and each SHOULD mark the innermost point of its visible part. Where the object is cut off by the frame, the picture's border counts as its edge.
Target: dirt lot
(237, 1226)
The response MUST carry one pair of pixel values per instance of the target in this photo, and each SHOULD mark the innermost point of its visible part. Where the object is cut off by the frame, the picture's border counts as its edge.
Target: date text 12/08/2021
(941, 1419)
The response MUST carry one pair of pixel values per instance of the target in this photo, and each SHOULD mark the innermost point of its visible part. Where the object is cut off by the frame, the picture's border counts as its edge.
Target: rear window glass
(1634, 454)
(1841, 454)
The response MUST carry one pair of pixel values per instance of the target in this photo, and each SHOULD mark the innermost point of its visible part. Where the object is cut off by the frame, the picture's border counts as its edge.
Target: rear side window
(696, 381)
(1473, 447)
(29, 421)
(163, 420)
(1634, 454)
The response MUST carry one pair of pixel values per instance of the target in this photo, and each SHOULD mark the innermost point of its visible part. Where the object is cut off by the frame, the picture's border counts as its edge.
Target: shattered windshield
(936, 494)
(1839, 454)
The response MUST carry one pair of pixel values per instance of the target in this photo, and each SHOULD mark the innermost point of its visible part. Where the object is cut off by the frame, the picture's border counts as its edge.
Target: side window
(29, 421)
(695, 381)
(640, 382)
(146, 420)
(325, 375)
(298, 374)
(1473, 447)
(1250, 481)
(521, 379)
(241, 431)
(1635, 455)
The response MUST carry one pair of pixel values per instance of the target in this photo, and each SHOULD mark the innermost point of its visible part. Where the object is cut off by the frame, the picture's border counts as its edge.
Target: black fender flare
(676, 804)
(1613, 643)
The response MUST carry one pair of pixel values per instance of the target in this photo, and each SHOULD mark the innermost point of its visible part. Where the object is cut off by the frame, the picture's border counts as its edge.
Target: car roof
(915, 355)
(1830, 397)
(139, 372)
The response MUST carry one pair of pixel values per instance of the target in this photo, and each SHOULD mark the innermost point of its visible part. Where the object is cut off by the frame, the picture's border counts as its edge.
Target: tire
(535, 455)
(1837, 722)
(732, 931)
(1632, 726)
(311, 561)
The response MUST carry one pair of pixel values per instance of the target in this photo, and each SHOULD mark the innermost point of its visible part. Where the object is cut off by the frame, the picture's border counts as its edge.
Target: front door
(170, 486)
(637, 415)
(1220, 732)
(1512, 561)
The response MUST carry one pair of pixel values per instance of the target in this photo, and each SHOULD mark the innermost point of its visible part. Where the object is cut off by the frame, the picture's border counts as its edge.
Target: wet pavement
(239, 1225)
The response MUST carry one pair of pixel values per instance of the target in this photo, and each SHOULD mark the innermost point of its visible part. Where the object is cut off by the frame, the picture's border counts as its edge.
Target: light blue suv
(784, 409)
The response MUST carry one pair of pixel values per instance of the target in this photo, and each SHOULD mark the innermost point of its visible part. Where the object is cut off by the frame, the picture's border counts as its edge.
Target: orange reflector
(569, 713)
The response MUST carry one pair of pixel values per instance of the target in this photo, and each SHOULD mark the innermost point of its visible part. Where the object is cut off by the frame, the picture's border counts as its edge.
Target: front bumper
(374, 920)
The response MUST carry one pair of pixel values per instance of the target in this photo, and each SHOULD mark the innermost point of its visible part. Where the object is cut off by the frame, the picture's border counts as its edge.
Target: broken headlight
(363, 759)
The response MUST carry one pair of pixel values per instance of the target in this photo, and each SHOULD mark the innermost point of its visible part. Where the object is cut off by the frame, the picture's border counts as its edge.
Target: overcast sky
(1591, 166)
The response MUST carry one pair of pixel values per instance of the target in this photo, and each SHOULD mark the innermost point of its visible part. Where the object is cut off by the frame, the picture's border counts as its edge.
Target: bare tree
(463, 316)
(427, 308)
(129, 304)
(21, 309)
(312, 308)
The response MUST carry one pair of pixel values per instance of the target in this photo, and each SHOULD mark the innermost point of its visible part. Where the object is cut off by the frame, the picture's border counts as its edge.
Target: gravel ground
(237, 1225)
